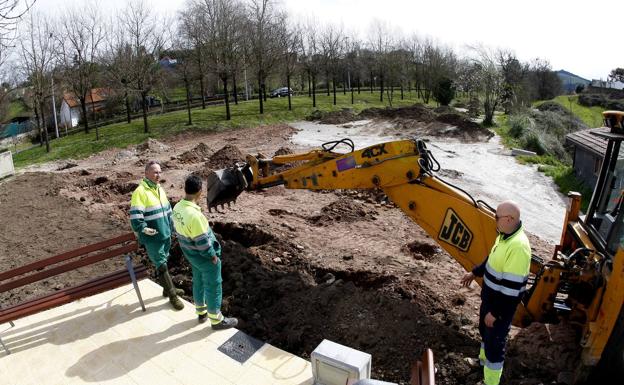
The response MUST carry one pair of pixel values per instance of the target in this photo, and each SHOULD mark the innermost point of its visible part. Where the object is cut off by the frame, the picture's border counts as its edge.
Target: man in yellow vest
(505, 272)
(203, 251)
(150, 218)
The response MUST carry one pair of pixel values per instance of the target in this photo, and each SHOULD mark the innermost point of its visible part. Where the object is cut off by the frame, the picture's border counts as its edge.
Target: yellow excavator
(583, 281)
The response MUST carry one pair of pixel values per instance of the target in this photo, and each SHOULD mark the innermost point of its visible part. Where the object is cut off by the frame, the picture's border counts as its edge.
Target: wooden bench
(124, 245)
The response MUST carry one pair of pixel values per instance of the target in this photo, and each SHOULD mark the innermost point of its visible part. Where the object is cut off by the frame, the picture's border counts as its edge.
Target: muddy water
(484, 169)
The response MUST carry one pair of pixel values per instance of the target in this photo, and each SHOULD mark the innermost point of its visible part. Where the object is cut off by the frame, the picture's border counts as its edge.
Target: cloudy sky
(583, 37)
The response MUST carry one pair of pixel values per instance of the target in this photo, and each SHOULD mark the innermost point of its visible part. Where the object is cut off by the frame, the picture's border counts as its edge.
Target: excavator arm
(404, 170)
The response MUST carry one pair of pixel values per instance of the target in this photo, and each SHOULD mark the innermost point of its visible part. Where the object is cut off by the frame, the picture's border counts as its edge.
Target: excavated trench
(294, 305)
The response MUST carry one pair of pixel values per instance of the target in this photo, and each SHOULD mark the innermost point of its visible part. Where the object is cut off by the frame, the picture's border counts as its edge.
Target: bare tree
(11, 12)
(141, 27)
(380, 41)
(185, 65)
(310, 56)
(490, 79)
(193, 28)
(332, 44)
(79, 39)
(223, 18)
(292, 48)
(264, 23)
(37, 55)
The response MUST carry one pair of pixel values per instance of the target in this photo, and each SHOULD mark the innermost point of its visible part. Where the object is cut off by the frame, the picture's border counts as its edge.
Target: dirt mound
(151, 145)
(199, 153)
(460, 121)
(274, 292)
(283, 151)
(343, 210)
(375, 196)
(553, 350)
(339, 117)
(418, 112)
(422, 250)
(228, 155)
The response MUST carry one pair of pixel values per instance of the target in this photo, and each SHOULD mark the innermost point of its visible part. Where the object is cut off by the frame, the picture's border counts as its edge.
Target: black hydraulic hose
(329, 146)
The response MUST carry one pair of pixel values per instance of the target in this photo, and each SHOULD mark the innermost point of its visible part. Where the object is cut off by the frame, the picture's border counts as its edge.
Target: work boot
(179, 292)
(202, 318)
(226, 323)
(167, 284)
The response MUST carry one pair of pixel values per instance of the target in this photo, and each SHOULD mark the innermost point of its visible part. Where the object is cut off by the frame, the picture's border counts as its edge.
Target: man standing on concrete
(150, 218)
(203, 251)
(505, 272)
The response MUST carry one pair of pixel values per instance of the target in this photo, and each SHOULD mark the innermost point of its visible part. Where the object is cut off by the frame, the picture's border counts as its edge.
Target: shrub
(533, 142)
(444, 91)
(518, 124)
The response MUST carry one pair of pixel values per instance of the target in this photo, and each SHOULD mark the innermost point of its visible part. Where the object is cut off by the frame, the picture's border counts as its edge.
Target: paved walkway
(107, 339)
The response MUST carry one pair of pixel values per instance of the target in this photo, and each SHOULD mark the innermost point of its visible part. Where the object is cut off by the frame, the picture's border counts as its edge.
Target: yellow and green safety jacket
(505, 273)
(197, 241)
(149, 207)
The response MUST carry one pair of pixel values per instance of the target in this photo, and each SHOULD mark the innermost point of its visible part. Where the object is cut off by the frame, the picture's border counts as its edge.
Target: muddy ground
(298, 266)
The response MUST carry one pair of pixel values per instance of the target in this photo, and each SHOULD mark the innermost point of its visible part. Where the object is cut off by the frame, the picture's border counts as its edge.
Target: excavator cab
(605, 217)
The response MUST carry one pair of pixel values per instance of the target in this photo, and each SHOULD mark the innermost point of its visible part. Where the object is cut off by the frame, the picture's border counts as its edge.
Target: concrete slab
(107, 339)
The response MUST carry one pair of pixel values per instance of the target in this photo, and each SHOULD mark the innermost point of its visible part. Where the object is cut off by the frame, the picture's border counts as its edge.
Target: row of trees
(216, 42)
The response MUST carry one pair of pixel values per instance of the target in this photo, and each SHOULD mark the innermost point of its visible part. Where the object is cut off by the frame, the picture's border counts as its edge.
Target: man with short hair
(150, 219)
(505, 272)
(201, 248)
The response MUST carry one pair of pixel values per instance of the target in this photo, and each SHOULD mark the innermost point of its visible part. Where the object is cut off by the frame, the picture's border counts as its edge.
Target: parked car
(279, 92)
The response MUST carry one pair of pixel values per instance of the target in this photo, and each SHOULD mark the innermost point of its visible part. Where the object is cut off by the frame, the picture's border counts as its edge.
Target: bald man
(505, 272)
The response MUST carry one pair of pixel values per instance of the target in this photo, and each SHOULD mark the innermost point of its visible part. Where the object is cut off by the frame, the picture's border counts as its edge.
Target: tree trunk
(201, 89)
(83, 106)
(188, 100)
(401, 91)
(327, 82)
(344, 85)
(227, 98)
(371, 82)
(351, 95)
(358, 84)
(144, 107)
(127, 107)
(264, 90)
(334, 89)
(45, 130)
(260, 94)
(235, 89)
(313, 90)
(381, 85)
(309, 85)
(38, 125)
(288, 85)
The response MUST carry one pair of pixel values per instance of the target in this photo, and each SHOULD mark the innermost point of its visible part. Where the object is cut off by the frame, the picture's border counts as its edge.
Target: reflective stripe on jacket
(149, 207)
(196, 239)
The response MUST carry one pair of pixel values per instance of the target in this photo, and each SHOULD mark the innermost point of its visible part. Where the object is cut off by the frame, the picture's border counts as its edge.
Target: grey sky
(579, 36)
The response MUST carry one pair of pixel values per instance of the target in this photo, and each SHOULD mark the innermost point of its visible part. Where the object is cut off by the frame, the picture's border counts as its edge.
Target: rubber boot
(226, 323)
(179, 292)
(167, 283)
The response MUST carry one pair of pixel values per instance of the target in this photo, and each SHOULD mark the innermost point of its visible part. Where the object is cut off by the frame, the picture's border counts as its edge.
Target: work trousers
(158, 251)
(493, 344)
(207, 290)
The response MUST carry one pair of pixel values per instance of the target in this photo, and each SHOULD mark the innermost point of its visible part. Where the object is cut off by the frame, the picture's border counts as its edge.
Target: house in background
(588, 153)
(615, 85)
(71, 110)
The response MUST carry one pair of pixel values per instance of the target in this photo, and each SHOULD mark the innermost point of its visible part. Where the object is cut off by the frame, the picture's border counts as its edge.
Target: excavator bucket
(225, 185)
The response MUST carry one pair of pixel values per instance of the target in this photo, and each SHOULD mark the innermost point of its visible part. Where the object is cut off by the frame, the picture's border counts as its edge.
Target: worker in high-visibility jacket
(201, 248)
(505, 272)
(150, 219)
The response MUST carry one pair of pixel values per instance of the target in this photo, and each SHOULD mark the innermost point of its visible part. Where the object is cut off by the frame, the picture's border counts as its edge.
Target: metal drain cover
(240, 347)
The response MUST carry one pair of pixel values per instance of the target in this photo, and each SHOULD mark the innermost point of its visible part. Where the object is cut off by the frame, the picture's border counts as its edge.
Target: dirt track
(299, 266)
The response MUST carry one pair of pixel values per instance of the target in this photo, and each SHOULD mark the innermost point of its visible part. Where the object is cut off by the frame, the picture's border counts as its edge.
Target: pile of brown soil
(338, 117)
(418, 112)
(199, 153)
(422, 250)
(227, 156)
(151, 145)
(461, 121)
(283, 151)
(343, 210)
(277, 299)
(376, 196)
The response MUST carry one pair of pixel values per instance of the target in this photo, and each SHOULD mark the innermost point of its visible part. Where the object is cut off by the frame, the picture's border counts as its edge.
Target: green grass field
(120, 135)
(16, 108)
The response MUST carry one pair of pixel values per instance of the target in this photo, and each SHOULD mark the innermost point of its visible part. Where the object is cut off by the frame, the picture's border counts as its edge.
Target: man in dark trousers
(150, 218)
(505, 272)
